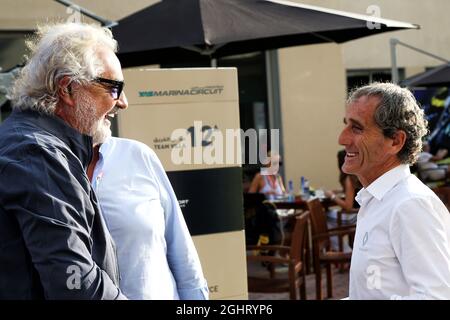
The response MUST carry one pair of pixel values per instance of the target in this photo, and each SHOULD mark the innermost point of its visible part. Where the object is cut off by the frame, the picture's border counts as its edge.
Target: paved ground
(340, 285)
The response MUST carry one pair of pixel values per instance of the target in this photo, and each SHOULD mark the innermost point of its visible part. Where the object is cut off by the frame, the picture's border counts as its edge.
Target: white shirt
(402, 242)
(156, 255)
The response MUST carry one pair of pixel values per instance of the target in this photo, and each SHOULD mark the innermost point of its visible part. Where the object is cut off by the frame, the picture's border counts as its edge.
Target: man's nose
(343, 137)
(122, 103)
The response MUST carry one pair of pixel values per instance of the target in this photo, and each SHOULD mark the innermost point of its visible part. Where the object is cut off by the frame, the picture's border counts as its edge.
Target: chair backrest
(298, 240)
(318, 219)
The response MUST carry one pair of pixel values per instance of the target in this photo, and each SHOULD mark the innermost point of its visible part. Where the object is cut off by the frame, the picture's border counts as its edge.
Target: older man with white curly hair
(55, 244)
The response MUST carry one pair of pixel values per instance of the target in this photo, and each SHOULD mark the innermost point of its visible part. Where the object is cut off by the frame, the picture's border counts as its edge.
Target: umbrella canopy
(181, 29)
(436, 77)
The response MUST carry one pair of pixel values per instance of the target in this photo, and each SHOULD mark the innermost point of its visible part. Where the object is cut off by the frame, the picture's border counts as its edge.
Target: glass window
(357, 78)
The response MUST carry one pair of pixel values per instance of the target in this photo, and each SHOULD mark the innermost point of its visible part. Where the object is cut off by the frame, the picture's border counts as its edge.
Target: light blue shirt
(157, 257)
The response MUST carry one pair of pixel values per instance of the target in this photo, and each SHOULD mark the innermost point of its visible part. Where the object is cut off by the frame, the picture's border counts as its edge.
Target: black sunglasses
(115, 87)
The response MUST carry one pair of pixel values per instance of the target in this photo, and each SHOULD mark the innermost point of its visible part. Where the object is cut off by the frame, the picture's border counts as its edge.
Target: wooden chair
(292, 256)
(299, 207)
(322, 254)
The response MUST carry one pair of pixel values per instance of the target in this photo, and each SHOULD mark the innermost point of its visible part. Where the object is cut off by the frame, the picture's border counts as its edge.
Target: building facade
(305, 87)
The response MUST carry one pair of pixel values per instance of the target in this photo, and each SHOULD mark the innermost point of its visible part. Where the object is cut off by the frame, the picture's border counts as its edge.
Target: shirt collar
(105, 148)
(383, 184)
(80, 144)
(105, 151)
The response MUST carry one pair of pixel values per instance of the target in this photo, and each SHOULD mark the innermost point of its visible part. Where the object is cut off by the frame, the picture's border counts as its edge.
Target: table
(299, 205)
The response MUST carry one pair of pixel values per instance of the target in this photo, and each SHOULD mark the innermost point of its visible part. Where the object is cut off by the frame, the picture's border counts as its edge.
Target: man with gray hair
(54, 241)
(402, 243)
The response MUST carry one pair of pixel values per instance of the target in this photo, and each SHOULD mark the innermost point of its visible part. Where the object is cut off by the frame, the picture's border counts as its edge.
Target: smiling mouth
(111, 114)
(351, 154)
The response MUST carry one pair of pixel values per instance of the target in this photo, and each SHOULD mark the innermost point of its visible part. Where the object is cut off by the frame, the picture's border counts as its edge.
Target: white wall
(313, 92)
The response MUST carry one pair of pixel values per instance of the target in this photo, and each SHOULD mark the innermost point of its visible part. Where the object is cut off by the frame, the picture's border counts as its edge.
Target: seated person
(429, 170)
(269, 182)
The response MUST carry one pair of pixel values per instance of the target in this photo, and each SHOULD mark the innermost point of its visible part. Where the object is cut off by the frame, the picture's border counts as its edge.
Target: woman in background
(269, 182)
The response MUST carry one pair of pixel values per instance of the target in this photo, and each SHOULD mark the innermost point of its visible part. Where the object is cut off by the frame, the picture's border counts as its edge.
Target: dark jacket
(53, 240)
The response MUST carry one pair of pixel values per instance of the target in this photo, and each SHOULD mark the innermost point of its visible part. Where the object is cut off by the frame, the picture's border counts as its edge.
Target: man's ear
(64, 92)
(398, 140)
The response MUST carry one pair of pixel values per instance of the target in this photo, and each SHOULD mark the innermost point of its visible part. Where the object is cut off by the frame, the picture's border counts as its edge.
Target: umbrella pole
(395, 42)
(394, 69)
(105, 23)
